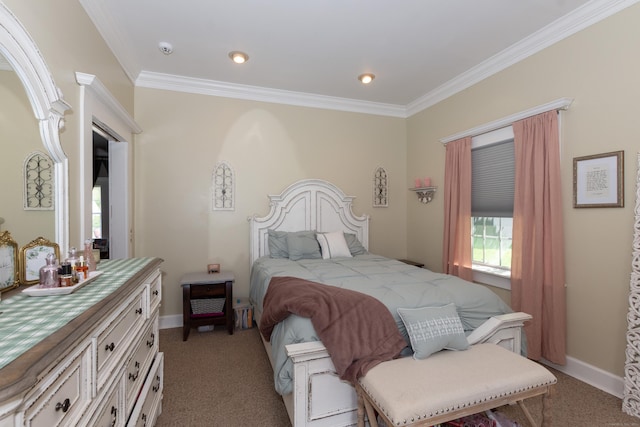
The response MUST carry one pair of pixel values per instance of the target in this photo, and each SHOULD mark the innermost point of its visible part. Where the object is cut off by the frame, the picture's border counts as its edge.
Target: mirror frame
(49, 107)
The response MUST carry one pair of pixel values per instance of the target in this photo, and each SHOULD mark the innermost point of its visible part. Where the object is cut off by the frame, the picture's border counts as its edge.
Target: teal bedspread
(394, 283)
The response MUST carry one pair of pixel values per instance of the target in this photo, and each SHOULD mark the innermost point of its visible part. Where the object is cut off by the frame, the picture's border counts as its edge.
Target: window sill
(492, 276)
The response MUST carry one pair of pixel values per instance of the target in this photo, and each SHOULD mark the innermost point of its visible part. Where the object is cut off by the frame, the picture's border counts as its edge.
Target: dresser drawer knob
(114, 412)
(151, 341)
(139, 310)
(134, 377)
(156, 292)
(109, 347)
(64, 405)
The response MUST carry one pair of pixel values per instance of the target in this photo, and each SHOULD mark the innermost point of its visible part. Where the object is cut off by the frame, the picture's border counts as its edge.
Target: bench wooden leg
(527, 413)
(546, 410)
(360, 409)
(365, 406)
(546, 407)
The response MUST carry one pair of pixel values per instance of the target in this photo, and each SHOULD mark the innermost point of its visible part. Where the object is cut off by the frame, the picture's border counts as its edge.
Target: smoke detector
(165, 48)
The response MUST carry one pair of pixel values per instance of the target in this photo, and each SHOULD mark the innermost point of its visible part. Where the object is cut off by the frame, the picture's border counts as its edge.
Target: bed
(304, 373)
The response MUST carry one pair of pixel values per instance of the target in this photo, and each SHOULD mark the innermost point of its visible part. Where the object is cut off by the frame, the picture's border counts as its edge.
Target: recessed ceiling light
(238, 57)
(366, 78)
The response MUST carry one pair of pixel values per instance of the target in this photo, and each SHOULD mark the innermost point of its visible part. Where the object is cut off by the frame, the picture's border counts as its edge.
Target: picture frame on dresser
(33, 256)
(8, 262)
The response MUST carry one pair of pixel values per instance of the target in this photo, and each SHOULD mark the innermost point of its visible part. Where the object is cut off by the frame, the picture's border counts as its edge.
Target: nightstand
(207, 299)
(417, 264)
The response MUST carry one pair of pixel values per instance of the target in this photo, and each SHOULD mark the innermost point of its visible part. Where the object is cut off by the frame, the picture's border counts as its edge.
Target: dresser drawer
(148, 406)
(64, 394)
(139, 363)
(112, 342)
(155, 291)
(110, 412)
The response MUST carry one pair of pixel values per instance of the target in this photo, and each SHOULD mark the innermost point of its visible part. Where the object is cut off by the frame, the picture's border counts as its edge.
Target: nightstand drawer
(208, 291)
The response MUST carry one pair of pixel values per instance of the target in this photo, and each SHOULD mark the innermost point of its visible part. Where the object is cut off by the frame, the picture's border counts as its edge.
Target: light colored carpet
(219, 380)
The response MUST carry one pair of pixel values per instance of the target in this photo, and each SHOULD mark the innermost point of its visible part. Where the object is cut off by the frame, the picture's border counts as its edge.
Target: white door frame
(98, 105)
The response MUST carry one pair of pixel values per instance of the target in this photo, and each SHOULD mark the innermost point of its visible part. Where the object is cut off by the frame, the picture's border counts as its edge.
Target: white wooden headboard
(309, 204)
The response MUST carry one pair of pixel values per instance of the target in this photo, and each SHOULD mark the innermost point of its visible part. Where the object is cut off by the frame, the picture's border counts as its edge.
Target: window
(492, 243)
(493, 169)
(96, 212)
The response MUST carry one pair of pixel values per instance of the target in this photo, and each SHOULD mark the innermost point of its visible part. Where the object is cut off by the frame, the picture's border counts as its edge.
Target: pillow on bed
(355, 247)
(432, 329)
(303, 244)
(277, 242)
(333, 245)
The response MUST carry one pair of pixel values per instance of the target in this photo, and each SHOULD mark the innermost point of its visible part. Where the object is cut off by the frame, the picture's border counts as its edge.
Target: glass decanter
(49, 272)
(88, 255)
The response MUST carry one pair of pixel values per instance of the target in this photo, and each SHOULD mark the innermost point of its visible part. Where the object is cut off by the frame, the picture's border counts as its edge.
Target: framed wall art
(33, 256)
(380, 188)
(598, 180)
(8, 262)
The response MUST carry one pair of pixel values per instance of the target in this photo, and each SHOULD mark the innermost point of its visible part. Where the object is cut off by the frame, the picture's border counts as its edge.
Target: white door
(118, 200)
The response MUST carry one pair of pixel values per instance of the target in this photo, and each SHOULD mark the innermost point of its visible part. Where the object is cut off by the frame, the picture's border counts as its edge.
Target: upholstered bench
(451, 384)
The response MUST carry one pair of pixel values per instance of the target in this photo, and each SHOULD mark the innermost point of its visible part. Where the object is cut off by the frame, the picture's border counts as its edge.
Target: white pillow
(333, 245)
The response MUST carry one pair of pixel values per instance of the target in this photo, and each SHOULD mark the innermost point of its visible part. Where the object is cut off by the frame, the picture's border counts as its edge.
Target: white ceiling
(310, 52)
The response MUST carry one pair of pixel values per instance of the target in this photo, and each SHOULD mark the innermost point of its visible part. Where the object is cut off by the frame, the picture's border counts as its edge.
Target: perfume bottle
(72, 259)
(81, 269)
(49, 272)
(88, 255)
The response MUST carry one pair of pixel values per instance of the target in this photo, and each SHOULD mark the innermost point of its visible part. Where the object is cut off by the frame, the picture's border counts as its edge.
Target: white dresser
(86, 359)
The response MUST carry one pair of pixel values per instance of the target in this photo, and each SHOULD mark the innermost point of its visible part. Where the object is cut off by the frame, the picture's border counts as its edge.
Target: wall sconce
(424, 190)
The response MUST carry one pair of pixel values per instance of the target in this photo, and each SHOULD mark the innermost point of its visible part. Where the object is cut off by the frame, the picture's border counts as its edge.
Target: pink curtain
(537, 264)
(456, 250)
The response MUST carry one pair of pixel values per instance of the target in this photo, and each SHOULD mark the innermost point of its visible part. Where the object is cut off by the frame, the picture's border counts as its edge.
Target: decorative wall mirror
(22, 63)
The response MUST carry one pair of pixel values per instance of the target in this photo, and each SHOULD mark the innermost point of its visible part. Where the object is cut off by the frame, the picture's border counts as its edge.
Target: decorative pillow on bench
(432, 329)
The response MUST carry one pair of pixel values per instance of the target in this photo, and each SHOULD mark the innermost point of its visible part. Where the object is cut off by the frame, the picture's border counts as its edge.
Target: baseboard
(578, 369)
(172, 321)
(591, 375)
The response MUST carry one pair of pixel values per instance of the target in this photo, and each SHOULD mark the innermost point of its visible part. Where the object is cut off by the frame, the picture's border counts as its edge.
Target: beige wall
(269, 146)
(19, 137)
(600, 68)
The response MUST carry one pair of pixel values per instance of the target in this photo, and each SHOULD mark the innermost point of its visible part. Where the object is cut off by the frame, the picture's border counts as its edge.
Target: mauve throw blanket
(357, 330)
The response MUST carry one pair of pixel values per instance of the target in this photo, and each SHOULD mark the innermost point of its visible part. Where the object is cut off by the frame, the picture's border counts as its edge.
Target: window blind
(492, 180)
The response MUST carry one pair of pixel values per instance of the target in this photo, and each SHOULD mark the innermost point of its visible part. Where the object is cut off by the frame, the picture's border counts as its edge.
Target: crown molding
(114, 37)
(583, 17)
(255, 93)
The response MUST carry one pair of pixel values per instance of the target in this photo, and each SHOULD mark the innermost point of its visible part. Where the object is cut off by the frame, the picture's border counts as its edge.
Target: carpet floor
(219, 380)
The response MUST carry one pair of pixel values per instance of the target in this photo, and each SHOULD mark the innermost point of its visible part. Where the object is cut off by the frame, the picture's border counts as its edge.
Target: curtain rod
(558, 104)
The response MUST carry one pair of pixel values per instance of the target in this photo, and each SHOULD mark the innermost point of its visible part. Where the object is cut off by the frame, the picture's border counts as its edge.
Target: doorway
(100, 193)
(109, 200)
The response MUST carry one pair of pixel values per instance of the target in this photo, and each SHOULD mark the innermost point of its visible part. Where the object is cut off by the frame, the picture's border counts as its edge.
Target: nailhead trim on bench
(472, 364)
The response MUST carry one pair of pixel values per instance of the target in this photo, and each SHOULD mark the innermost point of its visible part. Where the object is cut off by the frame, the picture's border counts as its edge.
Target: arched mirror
(31, 115)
